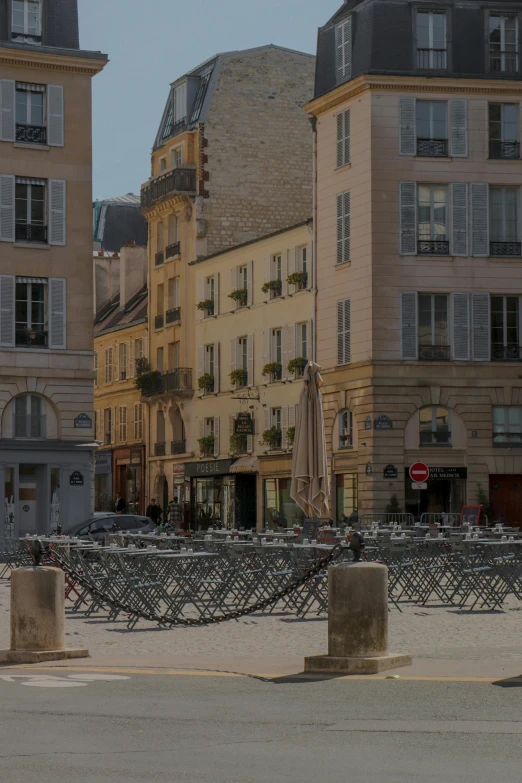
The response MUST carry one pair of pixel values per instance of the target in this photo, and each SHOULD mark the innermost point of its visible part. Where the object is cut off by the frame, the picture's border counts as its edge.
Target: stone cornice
(51, 62)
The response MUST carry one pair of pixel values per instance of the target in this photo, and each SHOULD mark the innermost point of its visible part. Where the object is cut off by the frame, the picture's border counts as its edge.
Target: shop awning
(245, 465)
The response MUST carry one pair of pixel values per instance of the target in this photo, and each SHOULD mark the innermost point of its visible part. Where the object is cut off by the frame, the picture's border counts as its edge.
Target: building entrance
(505, 498)
(445, 492)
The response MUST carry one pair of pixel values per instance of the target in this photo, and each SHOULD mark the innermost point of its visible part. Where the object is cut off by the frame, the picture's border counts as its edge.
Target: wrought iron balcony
(174, 127)
(158, 321)
(31, 134)
(438, 438)
(431, 59)
(159, 449)
(29, 232)
(501, 61)
(26, 38)
(505, 248)
(434, 353)
(169, 184)
(178, 447)
(159, 258)
(173, 316)
(173, 250)
(173, 381)
(509, 150)
(432, 148)
(433, 247)
(33, 337)
(29, 426)
(506, 353)
(507, 440)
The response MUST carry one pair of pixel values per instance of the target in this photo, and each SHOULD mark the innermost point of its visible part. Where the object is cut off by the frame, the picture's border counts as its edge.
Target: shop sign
(178, 469)
(390, 471)
(383, 423)
(244, 424)
(368, 423)
(448, 473)
(103, 462)
(83, 422)
(217, 467)
(76, 479)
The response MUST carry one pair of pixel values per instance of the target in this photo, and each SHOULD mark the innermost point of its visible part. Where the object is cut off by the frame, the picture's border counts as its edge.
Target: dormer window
(180, 104)
(431, 40)
(503, 43)
(26, 21)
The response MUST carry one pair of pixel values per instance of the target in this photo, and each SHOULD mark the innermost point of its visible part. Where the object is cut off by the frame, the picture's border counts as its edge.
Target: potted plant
(274, 286)
(240, 296)
(147, 380)
(299, 279)
(238, 444)
(290, 434)
(207, 305)
(239, 377)
(297, 365)
(272, 438)
(206, 383)
(206, 445)
(274, 370)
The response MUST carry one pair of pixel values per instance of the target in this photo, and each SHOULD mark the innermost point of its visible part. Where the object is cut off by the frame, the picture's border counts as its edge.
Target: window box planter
(238, 444)
(239, 377)
(297, 366)
(207, 306)
(274, 370)
(206, 383)
(274, 287)
(206, 445)
(298, 279)
(273, 438)
(240, 297)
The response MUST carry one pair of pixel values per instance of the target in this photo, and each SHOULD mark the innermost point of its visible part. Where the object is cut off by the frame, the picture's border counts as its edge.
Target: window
(433, 327)
(346, 496)
(504, 222)
(210, 361)
(108, 365)
(163, 164)
(343, 44)
(507, 426)
(302, 340)
(280, 509)
(173, 229)
(30, 210)
(174, 354)
(201, 93)
(107, 426)
(159, 359)
(209, 427)
(180, 105)
(210, 293)
(504, 136)
(138, 421)
(29, 418)
(343, 138)
(242, 354)
(302, 259)
(138, 353)
(434, 426)
(123, 361)
(503, 44)
(432, 128)
(505, 328)
(343, 228)
(30, 113)
(31, 312)
(276, 276)
(432, 220)
(26, 21)
(275, 423)
(343, 332)
(276, 352)
(176, 157)
(345, 429)
(431, 40)
(123, 424)
(242, 275)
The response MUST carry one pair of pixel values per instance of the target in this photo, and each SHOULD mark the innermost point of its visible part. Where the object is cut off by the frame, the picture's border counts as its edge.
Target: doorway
(505, 498)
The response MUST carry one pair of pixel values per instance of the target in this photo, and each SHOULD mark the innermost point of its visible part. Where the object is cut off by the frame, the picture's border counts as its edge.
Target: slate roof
(110, 318)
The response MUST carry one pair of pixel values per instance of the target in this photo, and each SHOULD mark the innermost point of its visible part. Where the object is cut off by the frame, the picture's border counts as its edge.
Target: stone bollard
(357, 622)
(38, 617)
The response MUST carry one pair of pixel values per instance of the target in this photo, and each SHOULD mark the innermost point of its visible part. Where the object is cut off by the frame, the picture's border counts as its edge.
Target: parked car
(98, 526)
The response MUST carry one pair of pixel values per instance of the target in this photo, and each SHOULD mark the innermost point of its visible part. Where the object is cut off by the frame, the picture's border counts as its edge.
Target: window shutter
(343, 41)
(231, 420)
(113, 425)
(201, 360)
(201, 297)
(480, 317)
(343, 228)
(284, 426)
(216, 294)
(234, 286)
(284, 272)
(250, 359)
(131, 362)
(57, 208)
(459, 128)
(407, 126)
(343, 138)
(409, 346)
(268, 273)
(288, 347)
(460, 304)
(309, 340)
(233, 354)
(459, 222)
(57, 312)
(343, 332)
(116, 355)
(7, 110)
(479, 219)
(55, 115)
(292, 254)
(7, 311)
(250, 282)
(216, 368)
(408, 218)
(216, 436)
(266, 347)
(266, 417)
(7, 208)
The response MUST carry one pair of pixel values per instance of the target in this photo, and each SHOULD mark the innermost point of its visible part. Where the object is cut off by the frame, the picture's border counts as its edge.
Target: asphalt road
(218, 729)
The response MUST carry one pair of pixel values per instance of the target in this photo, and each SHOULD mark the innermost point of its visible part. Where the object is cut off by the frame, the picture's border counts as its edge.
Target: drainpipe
(313, 121)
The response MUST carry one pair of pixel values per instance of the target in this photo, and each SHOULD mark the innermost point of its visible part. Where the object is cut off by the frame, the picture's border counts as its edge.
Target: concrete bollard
(357, 622)
(38, 617)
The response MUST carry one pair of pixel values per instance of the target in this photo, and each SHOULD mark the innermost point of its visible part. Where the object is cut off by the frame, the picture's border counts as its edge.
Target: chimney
(133, 271)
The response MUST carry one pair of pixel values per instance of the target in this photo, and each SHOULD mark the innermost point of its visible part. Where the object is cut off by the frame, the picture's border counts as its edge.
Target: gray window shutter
(407, 129)
(216, 368)
(408, 218)
(57, 312)
(7, 208)
(343, 228)
(250, 282)
(479, 219)
(343, 332)
(57, 204)
(55, 116)
(250, 359)
(288, 347)
(233, 354)
(480, 316)
(459, 215)
(266, 418)
(461, 330)
(343, 42)
(7, 311)
(343, 138)
(7, 110)
(216, 293)
(409, 343)
(459, 128)
(216, 436)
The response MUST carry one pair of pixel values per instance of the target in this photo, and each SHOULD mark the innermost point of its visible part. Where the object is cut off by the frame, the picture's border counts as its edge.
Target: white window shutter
(216, 293)
(234, 286)
(266, 418)
(408, 218)
(55, 115)
(343, 227)
(57, 313)
(57, 211)
(250, 282)
(284, 426)
(343, 138)
(201, 297)
(459, 128)
(343, 332)
(480, 219)
(309, 340)
(216, 368)
(284, 272)
(267, 274)
(7, 110)
(201, 360)
(459, 219)
(461, 330)
(7, 310)
(216, 436)
(113, 425)
(266, 346)
(407, 126)
(480, 308)
(292, 253)
(409, 343)
(233, 354)
(250, 359)
(288, 347)
(343, 43)
(7, 208)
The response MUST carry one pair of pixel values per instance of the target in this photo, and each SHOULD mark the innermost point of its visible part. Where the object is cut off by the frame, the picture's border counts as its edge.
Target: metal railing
(432, 148)
(178, 446)
(507, 439)
(159, 449)
(502, 61)
(504, 149)
(433, 247)
(175, 181)
(26, 38)
(399, 518)
(431, 59)
(173, 250)
(440, 518)
(159, 258)
(174, 127)
(158, 321)
(173, 316)
(179, 380)
(276, 292)
(29, 232)
(506, 353)
(435, 438)
(35, 337)
(29, 426)
(31, 134)
(434, 353)
(505, 248)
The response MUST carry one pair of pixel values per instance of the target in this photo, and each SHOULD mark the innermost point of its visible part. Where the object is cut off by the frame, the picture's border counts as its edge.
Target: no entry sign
(419, 472)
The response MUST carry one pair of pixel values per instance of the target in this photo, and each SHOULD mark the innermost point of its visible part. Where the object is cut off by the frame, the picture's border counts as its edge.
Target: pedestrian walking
(154, 511)
(120, 504)
(175, 514)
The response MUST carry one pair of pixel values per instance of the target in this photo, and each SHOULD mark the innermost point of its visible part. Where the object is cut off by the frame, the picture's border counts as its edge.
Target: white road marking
(51, 681)
(94, 677)
(54, 684)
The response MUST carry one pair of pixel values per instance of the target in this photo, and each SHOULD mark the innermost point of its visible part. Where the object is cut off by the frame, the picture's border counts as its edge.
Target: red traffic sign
(419, 472)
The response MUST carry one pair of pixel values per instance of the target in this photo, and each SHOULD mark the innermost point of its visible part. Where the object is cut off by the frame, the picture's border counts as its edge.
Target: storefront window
(214, 501)
(280, 509)
(55, 497)
(346, 495)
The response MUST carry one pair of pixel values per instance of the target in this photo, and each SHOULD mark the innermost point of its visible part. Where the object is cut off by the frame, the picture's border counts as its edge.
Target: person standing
(120, 504)
(175, 514)
(154, 511)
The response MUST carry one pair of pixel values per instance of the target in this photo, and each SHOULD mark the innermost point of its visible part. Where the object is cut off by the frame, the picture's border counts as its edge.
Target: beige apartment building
(231, 162)
(46, 331)
(419, 254)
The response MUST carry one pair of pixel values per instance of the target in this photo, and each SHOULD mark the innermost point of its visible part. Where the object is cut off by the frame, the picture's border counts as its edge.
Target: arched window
(29, 417)
(434, 426)
(345, 429)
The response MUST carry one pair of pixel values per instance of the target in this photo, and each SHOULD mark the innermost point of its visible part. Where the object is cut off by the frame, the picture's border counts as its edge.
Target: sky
(151, 43)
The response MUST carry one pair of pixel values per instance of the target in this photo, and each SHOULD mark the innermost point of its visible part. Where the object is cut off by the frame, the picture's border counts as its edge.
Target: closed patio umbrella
(310, 483)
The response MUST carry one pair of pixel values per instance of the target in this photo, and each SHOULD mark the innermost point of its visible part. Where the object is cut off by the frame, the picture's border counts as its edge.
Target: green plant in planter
(299, 279)
(273, 369)
(238, 443)
(240, 296)
(206, 382)
(297, 365)
(147, 380)
(290, 434)
(272, 285)
(207, 305)
(206, 444)
(239, 377)
(272, 437)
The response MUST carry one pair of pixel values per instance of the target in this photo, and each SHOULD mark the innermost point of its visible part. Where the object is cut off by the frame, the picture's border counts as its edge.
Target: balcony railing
(158, 321)
(438, 438)
(431, 59)
(159, 258)
(503, 61)
(29, 426)
(434, 353)
(276, 292)
(29, 232)
(432, 148)
(174, 127)
(505, 248)
(276, 375)
(509, 150)
(33, 337)
(179, 380)
(173, 250)
(433, 247)
(175, 181)
(26, 38)
(31, 134)
(173, 316)
(507, 440)
(178, 447)
(506, 353)
(159, 449)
